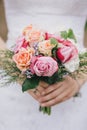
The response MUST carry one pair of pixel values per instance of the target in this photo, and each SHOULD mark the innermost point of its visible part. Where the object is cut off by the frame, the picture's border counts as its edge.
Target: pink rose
(43, 66)
(67, 51)
(20, 43)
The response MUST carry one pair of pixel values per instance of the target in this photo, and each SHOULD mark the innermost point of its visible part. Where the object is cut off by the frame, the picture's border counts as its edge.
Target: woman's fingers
(36, 93)
(33, 94)
(40, 89)
(56, 93)
(53, 94)
(61, 97)
(51, 88)
(43, 84)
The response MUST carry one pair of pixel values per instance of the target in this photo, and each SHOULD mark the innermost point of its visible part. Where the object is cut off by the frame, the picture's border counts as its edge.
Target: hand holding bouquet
(41, 56)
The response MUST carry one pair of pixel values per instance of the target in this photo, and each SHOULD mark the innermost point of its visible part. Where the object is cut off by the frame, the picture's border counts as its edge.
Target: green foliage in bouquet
(68, 34)
(83, 60)
(9, 68)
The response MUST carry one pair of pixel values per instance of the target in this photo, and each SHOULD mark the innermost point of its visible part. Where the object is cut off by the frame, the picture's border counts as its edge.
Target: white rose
(72, 65)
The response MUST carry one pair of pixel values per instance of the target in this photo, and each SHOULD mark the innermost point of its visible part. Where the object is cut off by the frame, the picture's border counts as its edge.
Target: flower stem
(45, 110)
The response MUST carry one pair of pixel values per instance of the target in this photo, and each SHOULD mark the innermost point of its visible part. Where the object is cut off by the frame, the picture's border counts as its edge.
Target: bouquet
(41, 56)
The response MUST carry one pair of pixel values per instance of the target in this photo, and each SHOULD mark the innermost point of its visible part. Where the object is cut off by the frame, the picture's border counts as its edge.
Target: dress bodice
(52, 15)
(19, 111)
(59, 7)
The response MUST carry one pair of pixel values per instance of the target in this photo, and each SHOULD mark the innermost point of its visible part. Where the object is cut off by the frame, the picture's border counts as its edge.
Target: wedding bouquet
(41, 56)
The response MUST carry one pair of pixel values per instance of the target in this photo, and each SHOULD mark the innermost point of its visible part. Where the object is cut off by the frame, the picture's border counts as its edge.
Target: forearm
(2, 44)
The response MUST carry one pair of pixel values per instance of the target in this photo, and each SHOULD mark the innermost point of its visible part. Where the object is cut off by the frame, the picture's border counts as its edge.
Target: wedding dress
(19, 111)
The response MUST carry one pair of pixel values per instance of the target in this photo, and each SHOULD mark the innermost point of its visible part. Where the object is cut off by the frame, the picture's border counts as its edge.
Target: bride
(21, 110)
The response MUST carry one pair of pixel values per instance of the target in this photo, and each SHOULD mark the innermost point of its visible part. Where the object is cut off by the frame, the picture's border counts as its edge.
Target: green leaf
(54, 41)
(83, 55)
(71, 35)
(50, 80)
(68, 34)
(30, 83)
(64, 34)
(54, 50)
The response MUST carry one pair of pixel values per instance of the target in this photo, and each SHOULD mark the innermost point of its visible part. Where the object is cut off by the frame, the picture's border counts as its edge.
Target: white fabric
(52, 15)
(19, 111)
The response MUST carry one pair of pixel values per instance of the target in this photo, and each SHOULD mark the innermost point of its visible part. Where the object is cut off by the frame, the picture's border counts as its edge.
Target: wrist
(81, 80)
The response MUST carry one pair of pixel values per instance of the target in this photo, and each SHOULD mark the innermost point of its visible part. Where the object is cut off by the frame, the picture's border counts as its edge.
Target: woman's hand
(59, 92)
(36, 93)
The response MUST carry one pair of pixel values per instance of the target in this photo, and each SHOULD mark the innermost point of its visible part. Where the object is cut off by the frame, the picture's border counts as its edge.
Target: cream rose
(45, 47)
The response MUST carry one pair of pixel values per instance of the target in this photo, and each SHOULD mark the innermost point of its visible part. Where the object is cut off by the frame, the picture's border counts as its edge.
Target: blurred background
(3, 25)
(4, 28)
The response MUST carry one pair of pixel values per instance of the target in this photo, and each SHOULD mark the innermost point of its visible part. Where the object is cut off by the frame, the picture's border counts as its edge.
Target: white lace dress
(19, 111)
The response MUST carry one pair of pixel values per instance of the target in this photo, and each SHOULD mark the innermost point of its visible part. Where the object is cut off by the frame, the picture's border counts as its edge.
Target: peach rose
(33, 34)
(23, 58)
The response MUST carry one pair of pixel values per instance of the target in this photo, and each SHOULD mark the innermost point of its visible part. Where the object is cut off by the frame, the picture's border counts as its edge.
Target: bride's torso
(20, 110)
(52, 15)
